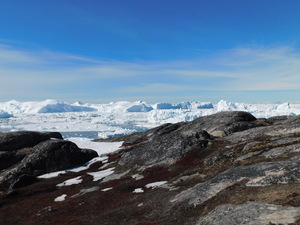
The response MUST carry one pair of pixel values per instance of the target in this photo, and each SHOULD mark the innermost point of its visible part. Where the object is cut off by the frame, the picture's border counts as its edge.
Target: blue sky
(151, 50)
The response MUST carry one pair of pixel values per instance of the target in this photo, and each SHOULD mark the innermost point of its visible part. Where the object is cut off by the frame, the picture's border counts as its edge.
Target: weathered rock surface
(28, 154)
(23, 139)
(260, 174)
(170, 142)
(8, 159)
(14, 146)
(166, 145)
(49, 156)
(251, 213)
(229, 169)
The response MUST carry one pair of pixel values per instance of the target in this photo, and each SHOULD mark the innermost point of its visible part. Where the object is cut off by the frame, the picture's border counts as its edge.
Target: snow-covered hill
(117, 118)
(47, 106)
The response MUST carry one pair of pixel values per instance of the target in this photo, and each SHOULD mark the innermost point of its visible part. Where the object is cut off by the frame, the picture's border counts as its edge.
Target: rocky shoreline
(226, 168)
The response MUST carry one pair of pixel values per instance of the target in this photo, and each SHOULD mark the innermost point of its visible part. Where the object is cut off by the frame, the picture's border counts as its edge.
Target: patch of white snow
(156, 184)
(69, 182)
(100, 147)
(50, 175)
(101, 174)
(138, 190)
(107, 189)
(60, 198)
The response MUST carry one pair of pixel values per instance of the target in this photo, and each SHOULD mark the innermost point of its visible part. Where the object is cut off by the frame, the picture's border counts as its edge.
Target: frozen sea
(85, 120)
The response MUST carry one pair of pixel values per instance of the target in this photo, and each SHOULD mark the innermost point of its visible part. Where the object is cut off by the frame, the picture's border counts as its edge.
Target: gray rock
(50, 156)
(260, 174)
(170, 142)
(277, 119)
(229, 122)
(279, 151)
(251, 213)
(10, 158)
(24, 180)
(225, 122)
(23, 139)
(86, 190)
(166, 145)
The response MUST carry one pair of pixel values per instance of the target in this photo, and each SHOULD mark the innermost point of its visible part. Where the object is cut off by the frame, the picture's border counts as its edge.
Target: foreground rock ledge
(227, 168)
(26, 155)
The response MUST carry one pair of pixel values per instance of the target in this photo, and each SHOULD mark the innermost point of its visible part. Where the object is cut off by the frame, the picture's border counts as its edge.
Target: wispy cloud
(43, 74)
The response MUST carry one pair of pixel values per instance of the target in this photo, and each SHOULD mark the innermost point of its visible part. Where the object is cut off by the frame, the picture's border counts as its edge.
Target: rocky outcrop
(23, 139)
(26, 155)
(257, 175)
(169, 143)
(225, 122)
(225, 169)
(251, 213)
(165, 146)
(50, 156)
(8, 159)
(14, 146)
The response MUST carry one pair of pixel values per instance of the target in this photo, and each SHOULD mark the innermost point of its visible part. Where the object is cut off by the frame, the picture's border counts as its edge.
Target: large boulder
(227, 122)
(169, 143)
(50, 156)
(53, 155)
(166, 145)
(22, 139)
(10, 158)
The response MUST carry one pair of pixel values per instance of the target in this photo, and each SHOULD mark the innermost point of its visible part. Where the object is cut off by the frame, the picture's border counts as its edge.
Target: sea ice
(119, 118)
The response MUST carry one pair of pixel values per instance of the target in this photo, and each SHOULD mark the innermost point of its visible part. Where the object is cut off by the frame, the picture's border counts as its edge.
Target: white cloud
(158, 87)
(42, 73)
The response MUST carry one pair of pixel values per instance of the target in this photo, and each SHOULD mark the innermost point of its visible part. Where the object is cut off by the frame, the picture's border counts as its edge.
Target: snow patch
(100, 147)
(107, 189)
(69, 182)
(137, 176)
(86, 190)
(156, 184)
(51, 175)
(138, 190)
(60, 198)
(101, 174)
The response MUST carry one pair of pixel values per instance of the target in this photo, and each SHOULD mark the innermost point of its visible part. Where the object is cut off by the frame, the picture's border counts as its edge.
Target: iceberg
(4, 114)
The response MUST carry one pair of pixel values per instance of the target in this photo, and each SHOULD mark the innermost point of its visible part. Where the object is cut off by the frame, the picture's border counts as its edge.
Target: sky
(100, 51)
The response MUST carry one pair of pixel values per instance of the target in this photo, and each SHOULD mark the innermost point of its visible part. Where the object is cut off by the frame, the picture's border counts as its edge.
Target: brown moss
(190, 159)
(156, 173)
(113, 157)
(25, 149)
